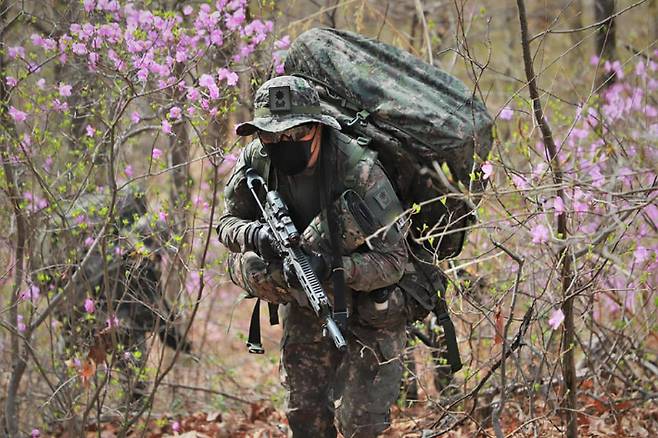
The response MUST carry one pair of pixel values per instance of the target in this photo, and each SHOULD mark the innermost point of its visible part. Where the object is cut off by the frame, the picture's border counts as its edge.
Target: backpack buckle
(360, 117)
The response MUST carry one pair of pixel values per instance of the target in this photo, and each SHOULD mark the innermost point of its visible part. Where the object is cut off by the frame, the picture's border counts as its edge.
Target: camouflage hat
(283, 103)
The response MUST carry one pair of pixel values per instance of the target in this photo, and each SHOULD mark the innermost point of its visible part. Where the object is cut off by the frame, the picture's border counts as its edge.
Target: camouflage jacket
(366, 267)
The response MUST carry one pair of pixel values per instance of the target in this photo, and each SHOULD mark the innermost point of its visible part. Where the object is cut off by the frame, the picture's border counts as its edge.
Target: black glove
(265, 244)
(318, 263)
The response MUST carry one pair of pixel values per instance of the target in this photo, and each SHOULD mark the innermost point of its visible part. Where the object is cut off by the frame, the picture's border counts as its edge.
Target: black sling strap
(443, 318)
(337, 273)
(254, 343)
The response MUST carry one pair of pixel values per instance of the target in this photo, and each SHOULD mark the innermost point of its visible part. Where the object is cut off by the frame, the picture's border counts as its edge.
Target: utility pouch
(421, 295)
(381, 308)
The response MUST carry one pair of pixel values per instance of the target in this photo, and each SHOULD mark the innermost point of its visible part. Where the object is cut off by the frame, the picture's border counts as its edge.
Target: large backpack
(413, 115)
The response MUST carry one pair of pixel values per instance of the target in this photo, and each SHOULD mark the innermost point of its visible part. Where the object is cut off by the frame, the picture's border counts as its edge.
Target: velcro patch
(280, 99)
(383, 198)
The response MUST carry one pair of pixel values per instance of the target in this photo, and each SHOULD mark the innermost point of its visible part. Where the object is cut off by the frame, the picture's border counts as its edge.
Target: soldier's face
(295, 149)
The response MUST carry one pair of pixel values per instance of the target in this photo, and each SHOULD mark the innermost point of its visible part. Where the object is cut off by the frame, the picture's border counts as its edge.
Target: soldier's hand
(265, 244)
(318, 263)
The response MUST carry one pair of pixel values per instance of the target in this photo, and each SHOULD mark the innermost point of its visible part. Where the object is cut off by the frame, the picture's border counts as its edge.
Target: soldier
(301, 154)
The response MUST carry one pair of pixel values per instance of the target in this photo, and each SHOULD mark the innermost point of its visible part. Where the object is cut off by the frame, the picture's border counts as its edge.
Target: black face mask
(290, 157)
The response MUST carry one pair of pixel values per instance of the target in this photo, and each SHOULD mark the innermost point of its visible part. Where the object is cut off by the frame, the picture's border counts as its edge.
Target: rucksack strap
(443, 318)
(450, 336)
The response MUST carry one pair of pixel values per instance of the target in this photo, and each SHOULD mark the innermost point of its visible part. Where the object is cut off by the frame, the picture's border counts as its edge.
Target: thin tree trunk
(566, 272)
(606, 43)
(18, 359)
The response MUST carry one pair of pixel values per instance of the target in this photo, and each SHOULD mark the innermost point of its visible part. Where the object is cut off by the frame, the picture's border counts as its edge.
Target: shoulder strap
(443, 317)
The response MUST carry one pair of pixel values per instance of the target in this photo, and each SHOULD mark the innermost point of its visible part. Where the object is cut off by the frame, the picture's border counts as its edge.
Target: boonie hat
(283, 103)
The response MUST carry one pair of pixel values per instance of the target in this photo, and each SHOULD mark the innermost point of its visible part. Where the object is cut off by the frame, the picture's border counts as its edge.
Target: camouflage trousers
(353, 390)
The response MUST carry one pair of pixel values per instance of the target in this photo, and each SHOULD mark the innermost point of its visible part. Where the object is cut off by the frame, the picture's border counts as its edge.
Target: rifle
(288, 245)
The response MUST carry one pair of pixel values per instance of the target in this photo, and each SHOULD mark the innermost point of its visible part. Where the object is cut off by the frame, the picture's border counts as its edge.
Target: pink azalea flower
(17, 115)
(557, 317)
(90, 131)
(175, 113)
(217, 37)
(128, 170)
(540, 234)
(89, 241)
(641, 254)
(650, 111)
(143, 74)
(166, 128)
(641, 69)
(20, 325)
(187, 10)
(283, 43)
(112, 322)
(279, 68)
(651, 211)
(90, 305)
(506, 113)
(41, 83)
(227, 164)
(231, 77)
(597, 177)
(234, 20)
(11, 81)
(16, 52)
(60, 106)
(37, 40)
(193, 94)
(520, 182)
(614, 67)
(79, 48)
(162, 216)
(156, 153)
(135, 117)
(175, 427)
(36, 433)
(206, 80)
(594, 60)
(487, 170)
(31, 294)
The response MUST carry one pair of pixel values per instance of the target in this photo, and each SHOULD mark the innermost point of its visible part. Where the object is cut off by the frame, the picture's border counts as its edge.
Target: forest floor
(226, 392)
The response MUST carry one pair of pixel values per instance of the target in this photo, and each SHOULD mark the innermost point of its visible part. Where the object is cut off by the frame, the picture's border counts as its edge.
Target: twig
(516, 343)
(426, 32)
(208, 390)
(591, 26)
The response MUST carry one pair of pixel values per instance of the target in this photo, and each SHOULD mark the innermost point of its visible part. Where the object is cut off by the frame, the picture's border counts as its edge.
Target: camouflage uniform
(356, 388)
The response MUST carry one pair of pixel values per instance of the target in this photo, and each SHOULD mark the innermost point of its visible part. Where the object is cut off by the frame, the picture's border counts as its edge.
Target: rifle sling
(337, 274)
(254, 343)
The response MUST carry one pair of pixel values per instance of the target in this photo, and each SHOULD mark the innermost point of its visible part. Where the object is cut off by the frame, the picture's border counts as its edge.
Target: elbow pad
(374, 220)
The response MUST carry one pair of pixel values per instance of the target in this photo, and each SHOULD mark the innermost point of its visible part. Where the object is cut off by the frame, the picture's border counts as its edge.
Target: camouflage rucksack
(412, 114)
